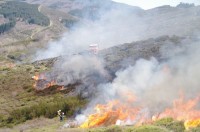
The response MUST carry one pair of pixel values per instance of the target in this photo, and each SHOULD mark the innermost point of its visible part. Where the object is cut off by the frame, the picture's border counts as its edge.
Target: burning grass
(183, 115)
(26, 105)
(19, 101)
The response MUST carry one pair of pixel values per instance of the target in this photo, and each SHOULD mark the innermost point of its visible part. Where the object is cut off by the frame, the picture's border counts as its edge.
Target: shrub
(107, 129)
(196, 129)
(146, 128)
(169, 123)
(47, 109)
(69, 23)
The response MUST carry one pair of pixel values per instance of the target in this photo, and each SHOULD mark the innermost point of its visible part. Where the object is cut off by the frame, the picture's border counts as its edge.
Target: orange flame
(115, 111)
(46, 83)
(50, 84)
(38, 76)
(184, 111)
(192, 123)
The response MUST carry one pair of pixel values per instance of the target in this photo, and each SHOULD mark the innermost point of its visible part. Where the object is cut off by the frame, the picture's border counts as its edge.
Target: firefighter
(60, 115)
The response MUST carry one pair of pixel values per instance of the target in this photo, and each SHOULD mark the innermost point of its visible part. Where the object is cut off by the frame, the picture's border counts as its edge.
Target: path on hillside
(34, 33)
(38, 30)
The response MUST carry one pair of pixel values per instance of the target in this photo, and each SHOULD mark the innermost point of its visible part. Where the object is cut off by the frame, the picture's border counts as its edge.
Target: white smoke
(122, 25)
(77, 68)
(155, 84)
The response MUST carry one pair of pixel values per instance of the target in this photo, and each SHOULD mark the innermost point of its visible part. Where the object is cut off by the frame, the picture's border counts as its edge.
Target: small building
(94, 49)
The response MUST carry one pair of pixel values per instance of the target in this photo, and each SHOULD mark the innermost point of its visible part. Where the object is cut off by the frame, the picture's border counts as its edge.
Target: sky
(148, 4)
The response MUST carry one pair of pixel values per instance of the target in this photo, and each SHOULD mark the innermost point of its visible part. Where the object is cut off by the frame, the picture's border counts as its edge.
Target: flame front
(184, 111)
(110, 113)
(38, 77)
(42, 82)
(123, 111)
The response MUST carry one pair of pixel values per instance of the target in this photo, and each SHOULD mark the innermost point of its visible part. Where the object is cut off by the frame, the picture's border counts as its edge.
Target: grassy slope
(16, 85)
(25, 36)
(52, 125)
(17, 96)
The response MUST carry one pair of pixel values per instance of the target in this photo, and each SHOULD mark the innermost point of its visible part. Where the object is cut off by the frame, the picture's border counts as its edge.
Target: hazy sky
(147, 4)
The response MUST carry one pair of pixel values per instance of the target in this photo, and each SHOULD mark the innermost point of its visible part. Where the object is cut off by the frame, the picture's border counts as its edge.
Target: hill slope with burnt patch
(21, 91)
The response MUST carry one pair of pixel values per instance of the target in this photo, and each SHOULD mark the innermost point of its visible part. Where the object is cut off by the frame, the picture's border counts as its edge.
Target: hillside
(144, 25)
(116, 58)
(103, 55)
(25, 35)
(69, 5)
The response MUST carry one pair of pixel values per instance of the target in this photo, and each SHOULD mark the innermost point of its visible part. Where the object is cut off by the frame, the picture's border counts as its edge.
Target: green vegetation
(147, 128)
(162, 125)
(69, 23)
(143, 128)
(170, 124)
(47, 109)
(14, 10)
(19, 101)
(86, 12)
(197, 129)
(107, 129)
(7, 26)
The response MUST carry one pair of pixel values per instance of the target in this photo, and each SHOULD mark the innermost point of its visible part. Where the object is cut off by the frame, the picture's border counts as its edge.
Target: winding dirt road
(38, 30)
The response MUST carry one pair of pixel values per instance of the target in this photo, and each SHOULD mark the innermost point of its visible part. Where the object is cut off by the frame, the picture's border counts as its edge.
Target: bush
(47, 109)
(7, 26)
(69, 23)
(163, 122)
(197, 129)
(107, 129)
(146, 128)
(169, 123)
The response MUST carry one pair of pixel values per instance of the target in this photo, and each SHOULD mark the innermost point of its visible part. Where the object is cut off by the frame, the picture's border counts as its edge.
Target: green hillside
(14, 10)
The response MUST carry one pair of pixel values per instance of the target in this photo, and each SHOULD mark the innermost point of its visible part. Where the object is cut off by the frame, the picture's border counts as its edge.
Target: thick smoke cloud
(84, 71)
(113, 28)
(118, 25)
(155, 84)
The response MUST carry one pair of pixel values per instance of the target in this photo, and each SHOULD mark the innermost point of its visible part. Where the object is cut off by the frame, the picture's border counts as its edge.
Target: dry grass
(29, 37)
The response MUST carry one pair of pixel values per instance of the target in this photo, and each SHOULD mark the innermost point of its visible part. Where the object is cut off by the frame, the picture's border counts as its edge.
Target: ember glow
(184, 110)
(115, 112)
(38, 77)
(124, 113)
(110, 114)
(41, 82)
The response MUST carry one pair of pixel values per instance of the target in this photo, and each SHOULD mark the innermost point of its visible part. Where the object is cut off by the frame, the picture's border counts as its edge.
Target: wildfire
(116, 112)
(37, 77)
(184, 111)
(41, 82)
(52, 83)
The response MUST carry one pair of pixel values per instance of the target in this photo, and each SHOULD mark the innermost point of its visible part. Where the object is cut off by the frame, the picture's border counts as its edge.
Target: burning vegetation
(138, 95)
(125, 113)
(45, 85)
(126, 106)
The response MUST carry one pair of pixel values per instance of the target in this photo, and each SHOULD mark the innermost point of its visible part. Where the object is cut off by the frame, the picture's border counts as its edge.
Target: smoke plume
(154, 84)
(122, 24)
